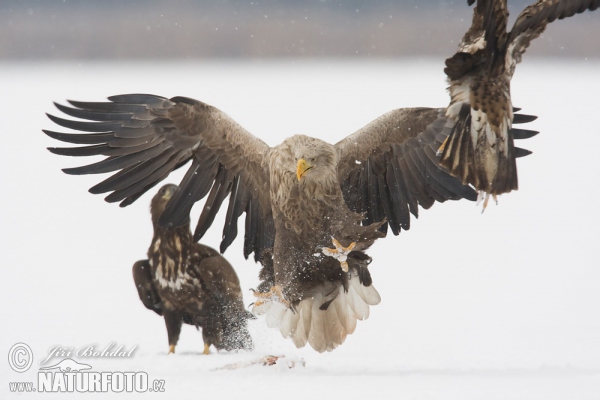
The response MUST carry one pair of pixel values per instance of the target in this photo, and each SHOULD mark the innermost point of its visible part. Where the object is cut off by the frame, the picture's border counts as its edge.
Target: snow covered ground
(504, 305)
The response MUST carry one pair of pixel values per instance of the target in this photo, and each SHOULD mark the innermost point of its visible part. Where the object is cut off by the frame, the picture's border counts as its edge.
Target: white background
(494, 306)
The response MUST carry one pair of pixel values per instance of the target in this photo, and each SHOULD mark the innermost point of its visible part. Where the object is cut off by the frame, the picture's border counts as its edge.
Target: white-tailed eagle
(185, 281)
(480, 148)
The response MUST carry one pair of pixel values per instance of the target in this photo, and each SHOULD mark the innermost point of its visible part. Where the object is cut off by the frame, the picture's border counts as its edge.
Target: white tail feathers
(326, 329)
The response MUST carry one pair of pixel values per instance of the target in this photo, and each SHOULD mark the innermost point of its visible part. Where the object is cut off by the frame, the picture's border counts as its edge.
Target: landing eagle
(188, 282)
(480, 149)
(311, 208)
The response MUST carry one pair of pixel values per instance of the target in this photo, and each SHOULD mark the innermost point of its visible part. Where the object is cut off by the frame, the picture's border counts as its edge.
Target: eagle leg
(482, 195)
(173, 321)
(340, 252)
(274, 294)
(206, 349)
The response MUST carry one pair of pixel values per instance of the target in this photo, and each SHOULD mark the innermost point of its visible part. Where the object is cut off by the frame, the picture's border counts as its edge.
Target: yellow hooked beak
(302, 167)
(169, 192)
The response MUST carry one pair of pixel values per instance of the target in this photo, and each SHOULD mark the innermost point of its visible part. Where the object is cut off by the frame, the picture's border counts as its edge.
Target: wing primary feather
(94, 115)
(250, 228)
(218, 193)
(397, 161)
(523, 118)
(150, 100)
(387, 205)
(519, 152)
(114, 163)
(237, 203)
(109, 107)
(94, 150)
(400, 205)
(79, 138)
(519, 134)
(230, 228)
(85, 126)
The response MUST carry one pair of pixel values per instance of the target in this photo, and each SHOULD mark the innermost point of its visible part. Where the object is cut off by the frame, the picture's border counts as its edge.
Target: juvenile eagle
(480, 148)
(188, 282)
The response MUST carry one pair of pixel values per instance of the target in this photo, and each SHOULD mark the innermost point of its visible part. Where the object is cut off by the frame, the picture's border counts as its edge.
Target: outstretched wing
(145, 137)
(533, 21)
(390, 166)
(488, 45)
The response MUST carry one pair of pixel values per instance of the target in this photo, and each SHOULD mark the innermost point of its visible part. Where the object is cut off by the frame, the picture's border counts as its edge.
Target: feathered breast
(169, 254)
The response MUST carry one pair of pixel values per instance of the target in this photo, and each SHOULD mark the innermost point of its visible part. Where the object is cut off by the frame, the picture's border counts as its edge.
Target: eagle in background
(311, 208)
(480, 149)
(188, 282)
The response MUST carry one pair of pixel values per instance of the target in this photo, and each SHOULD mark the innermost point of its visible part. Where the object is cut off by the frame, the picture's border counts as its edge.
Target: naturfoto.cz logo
(70, 376)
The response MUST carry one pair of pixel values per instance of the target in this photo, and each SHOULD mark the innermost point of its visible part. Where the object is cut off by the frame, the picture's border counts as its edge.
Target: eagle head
(160, 200)
(311, 159)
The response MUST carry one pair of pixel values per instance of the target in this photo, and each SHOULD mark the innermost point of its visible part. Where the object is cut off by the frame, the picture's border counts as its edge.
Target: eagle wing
(224, 301)
(390, 166)
(142, 277)
(216, 274)
(145, 137)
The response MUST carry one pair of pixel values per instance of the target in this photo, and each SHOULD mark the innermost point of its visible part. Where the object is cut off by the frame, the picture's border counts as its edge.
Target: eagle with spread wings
(480, 149)
(189, 282)
(311, 208)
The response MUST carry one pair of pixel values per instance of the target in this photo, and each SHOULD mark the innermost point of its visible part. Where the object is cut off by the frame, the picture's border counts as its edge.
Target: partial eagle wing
(145, 137)
(390, 166)
(142, 277)
(218, 277)
(533, 21)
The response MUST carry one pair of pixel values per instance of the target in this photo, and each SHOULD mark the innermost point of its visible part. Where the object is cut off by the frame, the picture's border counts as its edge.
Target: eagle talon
(171, 349)
(482, 195)
(274, 294)
(442, 147)
(340, 252)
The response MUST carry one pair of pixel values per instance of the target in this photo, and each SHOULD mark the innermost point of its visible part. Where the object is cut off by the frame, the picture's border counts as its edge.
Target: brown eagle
(480, 149)
(188, 282)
